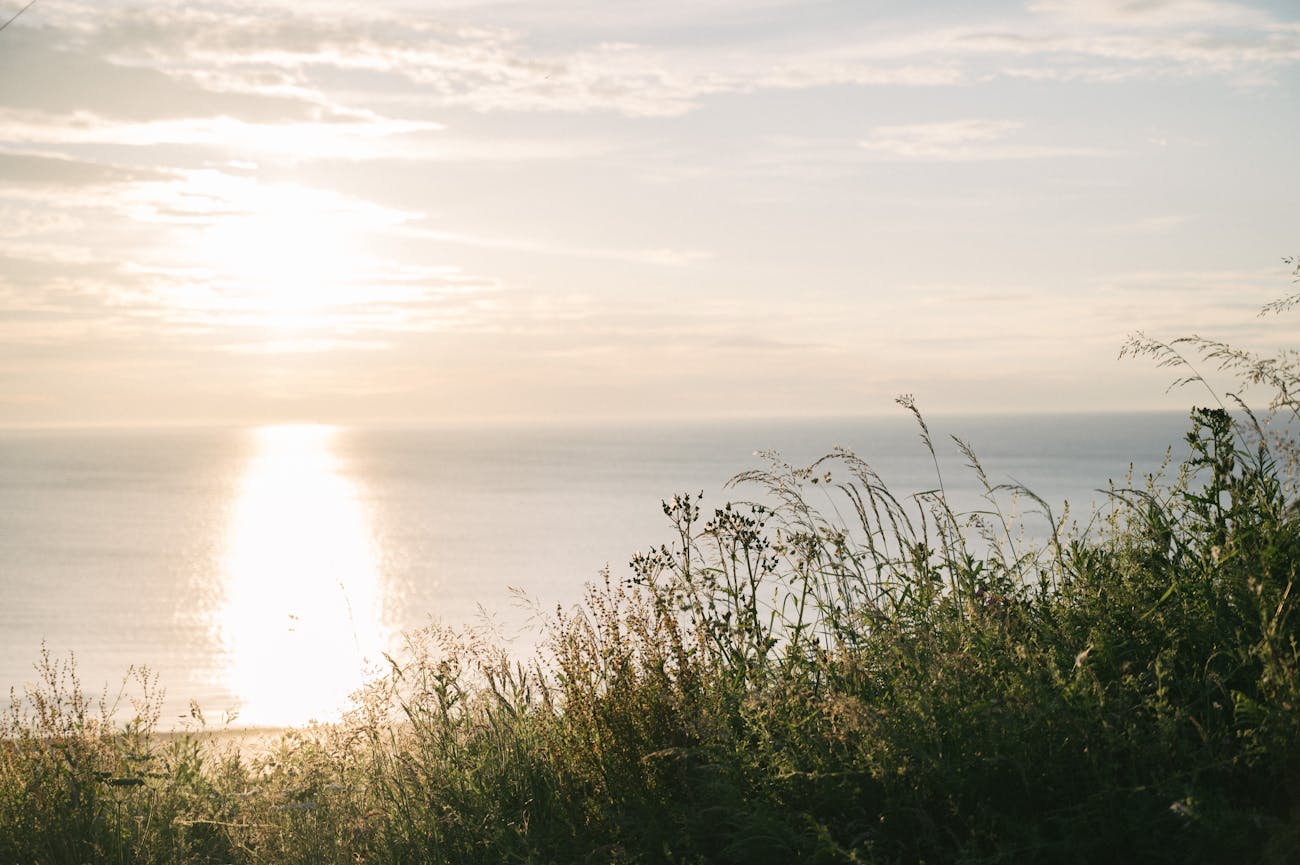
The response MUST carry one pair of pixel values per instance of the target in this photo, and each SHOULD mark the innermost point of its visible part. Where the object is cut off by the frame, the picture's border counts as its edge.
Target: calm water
(255, 569)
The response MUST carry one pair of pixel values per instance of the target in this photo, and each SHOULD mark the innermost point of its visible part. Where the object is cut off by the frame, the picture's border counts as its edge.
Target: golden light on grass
(301, 617)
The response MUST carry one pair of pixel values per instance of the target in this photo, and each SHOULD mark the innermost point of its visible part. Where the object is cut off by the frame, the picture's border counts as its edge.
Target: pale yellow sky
(415, 212)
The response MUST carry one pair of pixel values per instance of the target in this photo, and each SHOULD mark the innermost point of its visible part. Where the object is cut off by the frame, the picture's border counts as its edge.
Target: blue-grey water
(254, 569)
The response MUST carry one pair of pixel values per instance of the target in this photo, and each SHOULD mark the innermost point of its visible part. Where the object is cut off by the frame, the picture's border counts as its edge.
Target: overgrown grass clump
(834, 674)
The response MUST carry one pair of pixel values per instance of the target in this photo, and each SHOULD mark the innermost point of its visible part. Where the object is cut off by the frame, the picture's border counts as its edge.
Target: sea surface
(258, 571)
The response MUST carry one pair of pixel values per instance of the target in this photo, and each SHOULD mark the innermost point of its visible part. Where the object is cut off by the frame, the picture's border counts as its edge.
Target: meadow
(822, 670)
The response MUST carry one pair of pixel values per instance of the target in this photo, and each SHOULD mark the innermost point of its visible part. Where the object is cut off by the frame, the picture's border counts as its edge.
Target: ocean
(259, 572)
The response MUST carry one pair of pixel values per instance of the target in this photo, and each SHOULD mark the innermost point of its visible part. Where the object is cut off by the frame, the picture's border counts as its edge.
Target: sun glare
(286, 254)
(301, 619)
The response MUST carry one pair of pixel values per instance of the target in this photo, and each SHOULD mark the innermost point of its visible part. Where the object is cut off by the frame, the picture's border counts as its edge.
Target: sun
(287, 256)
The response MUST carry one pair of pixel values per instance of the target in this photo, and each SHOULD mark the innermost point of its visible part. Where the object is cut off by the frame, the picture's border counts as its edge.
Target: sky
(401, 212)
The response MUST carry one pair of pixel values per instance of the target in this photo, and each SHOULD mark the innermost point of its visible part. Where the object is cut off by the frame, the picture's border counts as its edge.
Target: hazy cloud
(970, 140)
(34, 169)
(370, 139)
(1153, 13)
(706, 197)
(661, 257)
(1116, 40)
(313, 69)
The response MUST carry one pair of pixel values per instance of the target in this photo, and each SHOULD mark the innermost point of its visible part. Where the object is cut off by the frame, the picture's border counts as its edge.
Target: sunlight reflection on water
(301, 614)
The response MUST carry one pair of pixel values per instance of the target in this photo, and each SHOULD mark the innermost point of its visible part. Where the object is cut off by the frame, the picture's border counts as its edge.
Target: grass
(835, 674)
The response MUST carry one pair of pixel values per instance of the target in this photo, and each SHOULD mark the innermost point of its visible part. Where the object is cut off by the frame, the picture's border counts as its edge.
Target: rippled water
(259, 570)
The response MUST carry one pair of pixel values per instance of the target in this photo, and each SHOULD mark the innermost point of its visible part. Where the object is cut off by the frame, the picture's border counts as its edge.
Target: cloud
(197, 309)
(224, 69)
(1118, 40)
(644, 82)
(212, 254)
(336, 66)
(660, 257)
(1152, 13)
(969, 140)
(220, 260)
(1148, 225)
(36, 169)
(373, 138)
(1222, 303)
(302, 346)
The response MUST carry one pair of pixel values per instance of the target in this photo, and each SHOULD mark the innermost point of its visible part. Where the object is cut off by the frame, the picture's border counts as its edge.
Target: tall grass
(831, 673)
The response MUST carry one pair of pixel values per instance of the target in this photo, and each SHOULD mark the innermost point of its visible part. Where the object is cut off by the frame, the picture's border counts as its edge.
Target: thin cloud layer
(526, 203)
(969, 140)
(297, 58)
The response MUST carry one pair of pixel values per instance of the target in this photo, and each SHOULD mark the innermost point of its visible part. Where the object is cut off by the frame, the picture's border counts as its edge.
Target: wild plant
(1278, 373)
(77, 784)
